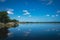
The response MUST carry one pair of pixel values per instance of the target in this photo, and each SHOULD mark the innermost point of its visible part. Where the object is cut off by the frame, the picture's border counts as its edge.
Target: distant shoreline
(39, 22)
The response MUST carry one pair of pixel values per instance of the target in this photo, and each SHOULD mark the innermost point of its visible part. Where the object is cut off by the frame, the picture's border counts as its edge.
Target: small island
(5, 20)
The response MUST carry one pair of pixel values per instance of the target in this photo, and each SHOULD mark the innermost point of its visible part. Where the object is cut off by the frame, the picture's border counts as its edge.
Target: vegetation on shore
(5, 20)
(38, 22)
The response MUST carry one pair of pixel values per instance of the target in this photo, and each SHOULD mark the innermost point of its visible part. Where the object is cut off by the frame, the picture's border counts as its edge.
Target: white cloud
(2, 0)
(19, 16)
(30, 16)
(56, 15)
(52, 15)
(26, 12)
(50, 2)
(47, 15)
(10, 11)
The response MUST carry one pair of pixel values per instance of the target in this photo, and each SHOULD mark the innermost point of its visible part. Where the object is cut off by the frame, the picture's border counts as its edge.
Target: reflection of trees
(5, 23)
(3, 33)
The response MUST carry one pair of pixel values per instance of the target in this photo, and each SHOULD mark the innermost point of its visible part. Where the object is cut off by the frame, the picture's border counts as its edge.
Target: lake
(40, 31)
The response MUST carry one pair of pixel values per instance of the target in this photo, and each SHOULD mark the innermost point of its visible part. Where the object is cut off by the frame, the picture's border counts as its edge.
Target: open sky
(32, 10)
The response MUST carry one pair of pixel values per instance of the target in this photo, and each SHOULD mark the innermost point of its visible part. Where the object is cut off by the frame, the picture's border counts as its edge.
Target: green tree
(14, 20)
(4, 18)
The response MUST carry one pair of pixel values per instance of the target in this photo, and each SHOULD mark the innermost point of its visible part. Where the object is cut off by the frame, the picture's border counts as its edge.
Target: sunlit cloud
(19, 16)
(48, 15)
(56, 15)
(30, 16)
(26, 12)
(10, 11)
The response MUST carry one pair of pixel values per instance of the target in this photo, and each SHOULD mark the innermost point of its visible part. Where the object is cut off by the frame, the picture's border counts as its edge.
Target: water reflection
(3, 33)
(31, 32)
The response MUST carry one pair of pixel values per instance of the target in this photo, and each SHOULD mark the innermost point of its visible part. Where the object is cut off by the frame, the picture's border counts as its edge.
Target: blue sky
(32, 10)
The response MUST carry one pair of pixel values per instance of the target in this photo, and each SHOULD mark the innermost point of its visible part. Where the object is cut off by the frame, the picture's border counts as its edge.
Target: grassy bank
(9, 24)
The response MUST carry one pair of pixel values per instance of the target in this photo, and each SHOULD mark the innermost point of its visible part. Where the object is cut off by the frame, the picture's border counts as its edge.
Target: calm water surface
(34, 32)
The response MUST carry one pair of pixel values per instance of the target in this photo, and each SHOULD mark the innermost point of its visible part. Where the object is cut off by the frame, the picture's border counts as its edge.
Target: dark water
(32, 32)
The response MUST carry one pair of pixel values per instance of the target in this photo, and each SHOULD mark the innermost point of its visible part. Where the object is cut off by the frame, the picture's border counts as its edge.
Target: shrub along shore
(9, 24)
